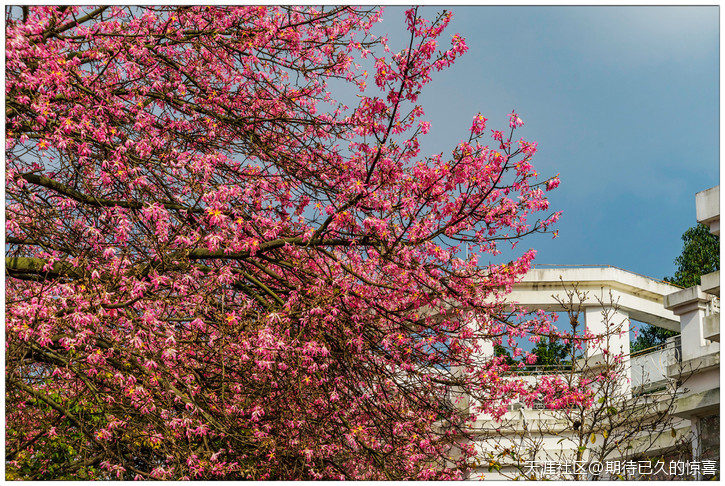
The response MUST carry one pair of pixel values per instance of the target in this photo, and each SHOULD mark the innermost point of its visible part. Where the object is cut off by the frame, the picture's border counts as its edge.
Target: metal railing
(537, 370)
(649, 367)
(652, 349)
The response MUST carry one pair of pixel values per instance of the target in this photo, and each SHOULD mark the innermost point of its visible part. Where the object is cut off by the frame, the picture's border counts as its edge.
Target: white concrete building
(676, 384)
(699, 311)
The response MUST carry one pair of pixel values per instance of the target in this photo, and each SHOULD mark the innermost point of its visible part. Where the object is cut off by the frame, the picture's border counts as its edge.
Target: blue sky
(624, 102)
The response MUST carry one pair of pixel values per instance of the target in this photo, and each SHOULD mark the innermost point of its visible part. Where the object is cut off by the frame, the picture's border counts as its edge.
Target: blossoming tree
(215, 270)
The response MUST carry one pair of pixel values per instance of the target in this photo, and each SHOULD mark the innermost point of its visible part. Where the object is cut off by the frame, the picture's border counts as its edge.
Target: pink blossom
(514, 120)
(215, 251)
(552, 183)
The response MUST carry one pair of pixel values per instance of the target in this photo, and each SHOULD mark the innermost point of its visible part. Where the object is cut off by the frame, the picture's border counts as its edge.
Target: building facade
(659, 420)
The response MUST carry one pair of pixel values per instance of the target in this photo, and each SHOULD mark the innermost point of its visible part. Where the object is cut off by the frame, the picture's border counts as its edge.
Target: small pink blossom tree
(214, 270)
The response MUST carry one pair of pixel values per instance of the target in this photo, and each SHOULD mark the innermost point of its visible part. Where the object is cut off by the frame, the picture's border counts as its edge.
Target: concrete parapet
(710, 283)
(711, 328)
(698, 403)
(707, 204)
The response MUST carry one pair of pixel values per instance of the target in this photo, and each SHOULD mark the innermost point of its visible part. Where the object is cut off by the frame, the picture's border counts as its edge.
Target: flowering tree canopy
(216, 270)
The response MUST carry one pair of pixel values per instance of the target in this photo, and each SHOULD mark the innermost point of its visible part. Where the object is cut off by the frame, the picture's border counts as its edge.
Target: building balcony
(649, 366)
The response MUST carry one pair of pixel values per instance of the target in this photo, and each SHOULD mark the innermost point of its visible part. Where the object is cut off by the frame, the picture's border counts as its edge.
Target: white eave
(642, 298)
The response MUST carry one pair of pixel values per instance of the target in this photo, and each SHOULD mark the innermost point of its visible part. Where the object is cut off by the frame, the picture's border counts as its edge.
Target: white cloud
(635, 35)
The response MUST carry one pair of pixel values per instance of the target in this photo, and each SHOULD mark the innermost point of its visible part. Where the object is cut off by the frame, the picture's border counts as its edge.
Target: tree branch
(74, 23)
(94, 201)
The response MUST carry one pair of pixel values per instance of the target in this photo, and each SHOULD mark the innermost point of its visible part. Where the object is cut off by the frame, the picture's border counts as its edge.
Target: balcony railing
(649, 366)
(536, 370)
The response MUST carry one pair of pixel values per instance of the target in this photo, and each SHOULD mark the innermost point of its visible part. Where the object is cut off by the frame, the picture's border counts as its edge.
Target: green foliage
(49, 458)
(499, 350)
(552, 353)
(651, 336)
(700, 255)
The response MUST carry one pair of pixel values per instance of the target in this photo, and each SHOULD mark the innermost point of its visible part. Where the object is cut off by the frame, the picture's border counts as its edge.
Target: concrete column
(691, 305)
(613, 325)
(461, 397)
(696, 450)
(485, 353)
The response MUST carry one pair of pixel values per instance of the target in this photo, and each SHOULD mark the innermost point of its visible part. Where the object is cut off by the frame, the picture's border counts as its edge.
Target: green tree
(499, 350)
(651, 336)
(700, 255)
(552, 353)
